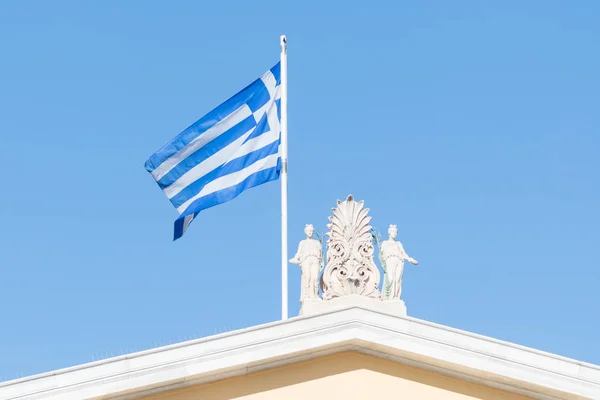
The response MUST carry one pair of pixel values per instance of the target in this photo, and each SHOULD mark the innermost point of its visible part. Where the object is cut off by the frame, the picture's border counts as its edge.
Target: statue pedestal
(318, 306)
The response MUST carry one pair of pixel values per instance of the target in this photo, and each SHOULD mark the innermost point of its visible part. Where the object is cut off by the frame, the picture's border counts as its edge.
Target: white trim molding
(402, 339)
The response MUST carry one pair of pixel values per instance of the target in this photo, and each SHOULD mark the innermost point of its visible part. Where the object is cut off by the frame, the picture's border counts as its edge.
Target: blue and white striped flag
(230, 149)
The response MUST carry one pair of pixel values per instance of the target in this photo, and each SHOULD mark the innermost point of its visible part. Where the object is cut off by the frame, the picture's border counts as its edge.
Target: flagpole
(284, 181)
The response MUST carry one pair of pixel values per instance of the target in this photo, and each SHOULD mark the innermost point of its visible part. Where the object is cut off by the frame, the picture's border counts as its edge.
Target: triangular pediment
(404, 341)
(345, 375)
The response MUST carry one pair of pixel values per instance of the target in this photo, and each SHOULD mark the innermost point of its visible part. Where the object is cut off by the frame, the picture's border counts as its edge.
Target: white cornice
(408, 340)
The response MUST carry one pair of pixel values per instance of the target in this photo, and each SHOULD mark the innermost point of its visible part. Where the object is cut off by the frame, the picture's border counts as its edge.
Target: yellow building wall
(341, 376)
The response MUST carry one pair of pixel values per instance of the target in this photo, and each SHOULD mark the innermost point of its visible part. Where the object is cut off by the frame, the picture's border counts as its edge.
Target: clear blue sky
(474, 127)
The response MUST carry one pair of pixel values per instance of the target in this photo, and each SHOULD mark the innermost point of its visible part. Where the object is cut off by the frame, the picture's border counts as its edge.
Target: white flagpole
(284, 181)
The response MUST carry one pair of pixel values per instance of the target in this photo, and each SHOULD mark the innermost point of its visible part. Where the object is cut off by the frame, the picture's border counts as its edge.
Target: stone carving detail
(349, 275)
(392, 259)
(350, 268)
(310, 258)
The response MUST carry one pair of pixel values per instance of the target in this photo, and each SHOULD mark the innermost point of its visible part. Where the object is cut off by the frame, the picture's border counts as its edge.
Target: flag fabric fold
(231, 149)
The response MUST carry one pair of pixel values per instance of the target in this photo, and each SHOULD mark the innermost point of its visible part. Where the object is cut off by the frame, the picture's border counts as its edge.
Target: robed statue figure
(310, 258)
(393, 257)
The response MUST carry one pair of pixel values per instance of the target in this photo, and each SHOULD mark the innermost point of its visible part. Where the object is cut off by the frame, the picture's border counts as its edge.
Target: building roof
(406, 340)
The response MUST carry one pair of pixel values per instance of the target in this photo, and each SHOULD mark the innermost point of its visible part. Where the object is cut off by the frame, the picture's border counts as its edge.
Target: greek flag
(230, 149)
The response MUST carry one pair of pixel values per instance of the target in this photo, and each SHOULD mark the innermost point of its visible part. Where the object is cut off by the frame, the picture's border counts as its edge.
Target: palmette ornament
(350, 268)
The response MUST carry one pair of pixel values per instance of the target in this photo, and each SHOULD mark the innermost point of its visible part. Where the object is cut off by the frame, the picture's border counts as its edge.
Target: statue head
(393, 232)
(309, 230)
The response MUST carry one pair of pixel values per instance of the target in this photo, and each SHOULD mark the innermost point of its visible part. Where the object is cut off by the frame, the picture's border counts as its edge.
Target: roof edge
(414, 339)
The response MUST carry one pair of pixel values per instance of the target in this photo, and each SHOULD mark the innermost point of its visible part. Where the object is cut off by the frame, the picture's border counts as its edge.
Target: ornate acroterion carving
(350, 268)
(350, 276)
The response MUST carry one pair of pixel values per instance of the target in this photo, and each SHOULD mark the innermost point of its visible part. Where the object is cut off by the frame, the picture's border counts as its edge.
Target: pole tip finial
(283, 40)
